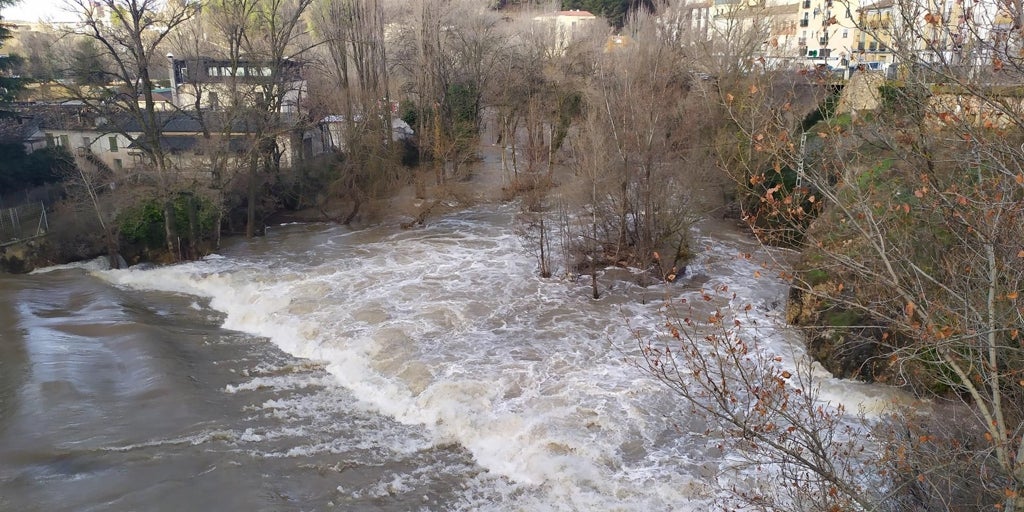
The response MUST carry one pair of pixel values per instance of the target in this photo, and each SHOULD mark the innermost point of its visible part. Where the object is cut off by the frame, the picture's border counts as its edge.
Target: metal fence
(23, 222)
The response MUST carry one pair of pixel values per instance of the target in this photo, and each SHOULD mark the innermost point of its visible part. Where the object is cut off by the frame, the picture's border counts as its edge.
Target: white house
(332, 131)
(218, 83)
(563, 26)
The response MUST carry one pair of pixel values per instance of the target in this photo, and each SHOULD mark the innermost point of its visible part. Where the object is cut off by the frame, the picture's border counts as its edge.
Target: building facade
(217, 84)
(564, 26)
(828, 32)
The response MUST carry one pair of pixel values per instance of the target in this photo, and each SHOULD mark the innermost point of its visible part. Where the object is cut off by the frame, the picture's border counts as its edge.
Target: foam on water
(448, 329)
(95, 264)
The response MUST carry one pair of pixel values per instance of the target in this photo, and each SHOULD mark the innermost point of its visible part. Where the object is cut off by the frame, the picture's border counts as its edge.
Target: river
(322, 368)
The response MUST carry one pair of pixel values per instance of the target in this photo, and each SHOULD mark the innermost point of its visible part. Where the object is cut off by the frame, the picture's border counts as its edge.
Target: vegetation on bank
(909, 220)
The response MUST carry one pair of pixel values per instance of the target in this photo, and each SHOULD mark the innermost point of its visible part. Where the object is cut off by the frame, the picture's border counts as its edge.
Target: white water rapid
(447, 332)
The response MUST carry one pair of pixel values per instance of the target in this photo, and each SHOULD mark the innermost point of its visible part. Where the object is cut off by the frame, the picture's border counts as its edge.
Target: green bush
(143, 224)
(408, 112)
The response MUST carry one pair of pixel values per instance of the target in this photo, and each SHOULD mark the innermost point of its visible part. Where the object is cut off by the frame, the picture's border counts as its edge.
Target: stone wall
(861, 93)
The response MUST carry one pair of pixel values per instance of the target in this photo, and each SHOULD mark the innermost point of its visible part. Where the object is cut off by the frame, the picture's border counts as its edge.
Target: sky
(32, 10)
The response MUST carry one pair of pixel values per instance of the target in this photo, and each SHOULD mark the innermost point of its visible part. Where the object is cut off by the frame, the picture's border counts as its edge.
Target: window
(846, 33)
(118, 164)
(64, 141)
(112, 141)
(214, 101)
(86, 142)
(213, 71)
(49, 140)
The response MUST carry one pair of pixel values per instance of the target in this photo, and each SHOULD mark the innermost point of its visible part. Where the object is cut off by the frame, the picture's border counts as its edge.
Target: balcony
(877, 23)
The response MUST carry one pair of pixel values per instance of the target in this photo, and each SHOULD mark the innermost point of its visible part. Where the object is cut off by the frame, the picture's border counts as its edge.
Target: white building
(216, 84)
(564, 26)
(828, 32)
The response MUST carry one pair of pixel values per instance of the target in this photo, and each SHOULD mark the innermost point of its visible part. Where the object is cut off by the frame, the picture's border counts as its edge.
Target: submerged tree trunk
(170, 234)
(250, 217)
(593, 262)
(193, 227)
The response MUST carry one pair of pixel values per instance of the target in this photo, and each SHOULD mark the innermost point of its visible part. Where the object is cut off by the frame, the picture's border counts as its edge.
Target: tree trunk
(250, 218)
(170, 234)
(193, 227)
(593, 262)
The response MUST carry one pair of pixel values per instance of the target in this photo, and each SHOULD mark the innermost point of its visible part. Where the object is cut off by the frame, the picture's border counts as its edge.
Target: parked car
(869, 66)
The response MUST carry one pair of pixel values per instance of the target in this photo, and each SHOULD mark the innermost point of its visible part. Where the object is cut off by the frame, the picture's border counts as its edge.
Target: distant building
(564, 26)
(774, 22)
(332, 130)
(876, 25)
(216, 84)
(828, 32)
(782, 45)
(687, 21)
(118, 142)
(960, 33)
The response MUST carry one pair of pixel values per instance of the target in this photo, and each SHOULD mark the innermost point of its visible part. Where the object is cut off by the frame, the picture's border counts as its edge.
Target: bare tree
(88, 180)
(640, 104)
(909, 218)
(272, 32)
(764, 410)
(446, 57)
(356, 58)
(129, 32)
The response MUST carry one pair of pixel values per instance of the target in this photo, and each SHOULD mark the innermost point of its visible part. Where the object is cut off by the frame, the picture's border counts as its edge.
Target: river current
(321, 368)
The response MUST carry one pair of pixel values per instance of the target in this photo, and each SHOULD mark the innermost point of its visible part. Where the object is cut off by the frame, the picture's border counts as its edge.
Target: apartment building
(827, 32)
